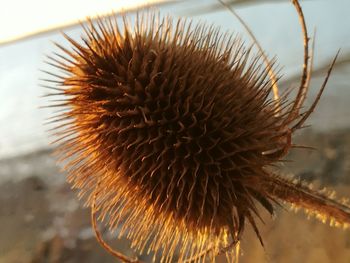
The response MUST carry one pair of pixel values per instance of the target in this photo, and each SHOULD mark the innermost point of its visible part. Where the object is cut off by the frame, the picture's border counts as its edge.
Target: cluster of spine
(171, 129)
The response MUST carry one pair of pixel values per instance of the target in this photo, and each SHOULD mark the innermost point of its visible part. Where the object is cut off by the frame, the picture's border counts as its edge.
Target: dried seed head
(168, 131)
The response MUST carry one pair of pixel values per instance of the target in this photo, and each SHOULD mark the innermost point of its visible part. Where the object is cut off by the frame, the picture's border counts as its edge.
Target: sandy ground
(42, 221)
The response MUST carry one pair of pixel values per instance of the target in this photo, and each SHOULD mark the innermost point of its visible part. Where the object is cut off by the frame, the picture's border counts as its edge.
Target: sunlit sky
(275, 25)
(26, 17)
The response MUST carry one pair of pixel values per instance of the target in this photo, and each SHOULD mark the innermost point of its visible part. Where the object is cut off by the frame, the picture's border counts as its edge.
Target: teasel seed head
(168, 130)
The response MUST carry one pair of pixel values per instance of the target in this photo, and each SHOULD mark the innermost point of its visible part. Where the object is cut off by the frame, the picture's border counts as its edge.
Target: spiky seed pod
(169, 131)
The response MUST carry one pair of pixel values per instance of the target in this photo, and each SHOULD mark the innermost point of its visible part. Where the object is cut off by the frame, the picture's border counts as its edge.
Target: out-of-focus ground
(42, 221)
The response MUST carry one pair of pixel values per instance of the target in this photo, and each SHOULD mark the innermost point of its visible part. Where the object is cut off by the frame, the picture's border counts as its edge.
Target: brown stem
(303, 88)
(315, 202)
(99, 237)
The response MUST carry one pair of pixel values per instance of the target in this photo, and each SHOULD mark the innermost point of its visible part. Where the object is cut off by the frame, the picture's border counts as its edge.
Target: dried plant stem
(314, 104)
(303, 88)
(314, 202)
(99, 237)
(312, 55)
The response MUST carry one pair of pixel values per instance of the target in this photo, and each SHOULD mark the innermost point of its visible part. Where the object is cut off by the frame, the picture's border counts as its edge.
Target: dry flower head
(170, 132)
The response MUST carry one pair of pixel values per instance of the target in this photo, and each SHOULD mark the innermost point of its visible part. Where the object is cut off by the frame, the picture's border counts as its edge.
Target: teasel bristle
(170, 131)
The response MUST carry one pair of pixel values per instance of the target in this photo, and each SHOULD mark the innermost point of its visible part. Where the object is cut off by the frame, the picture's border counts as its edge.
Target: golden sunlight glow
(20, 18)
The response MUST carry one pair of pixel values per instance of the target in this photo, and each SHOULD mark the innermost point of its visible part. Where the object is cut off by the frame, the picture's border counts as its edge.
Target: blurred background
(41, 220)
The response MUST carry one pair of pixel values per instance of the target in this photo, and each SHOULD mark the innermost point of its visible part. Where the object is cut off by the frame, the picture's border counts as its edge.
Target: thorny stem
(312, 56)
(313, 106)
(322, 205)
(305, 75)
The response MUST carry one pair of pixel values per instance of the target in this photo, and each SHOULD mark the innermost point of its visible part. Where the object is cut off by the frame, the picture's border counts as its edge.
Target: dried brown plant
(172, 134)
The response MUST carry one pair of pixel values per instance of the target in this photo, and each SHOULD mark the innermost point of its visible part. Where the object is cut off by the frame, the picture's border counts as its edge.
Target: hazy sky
(27, 16)
(274, 25)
